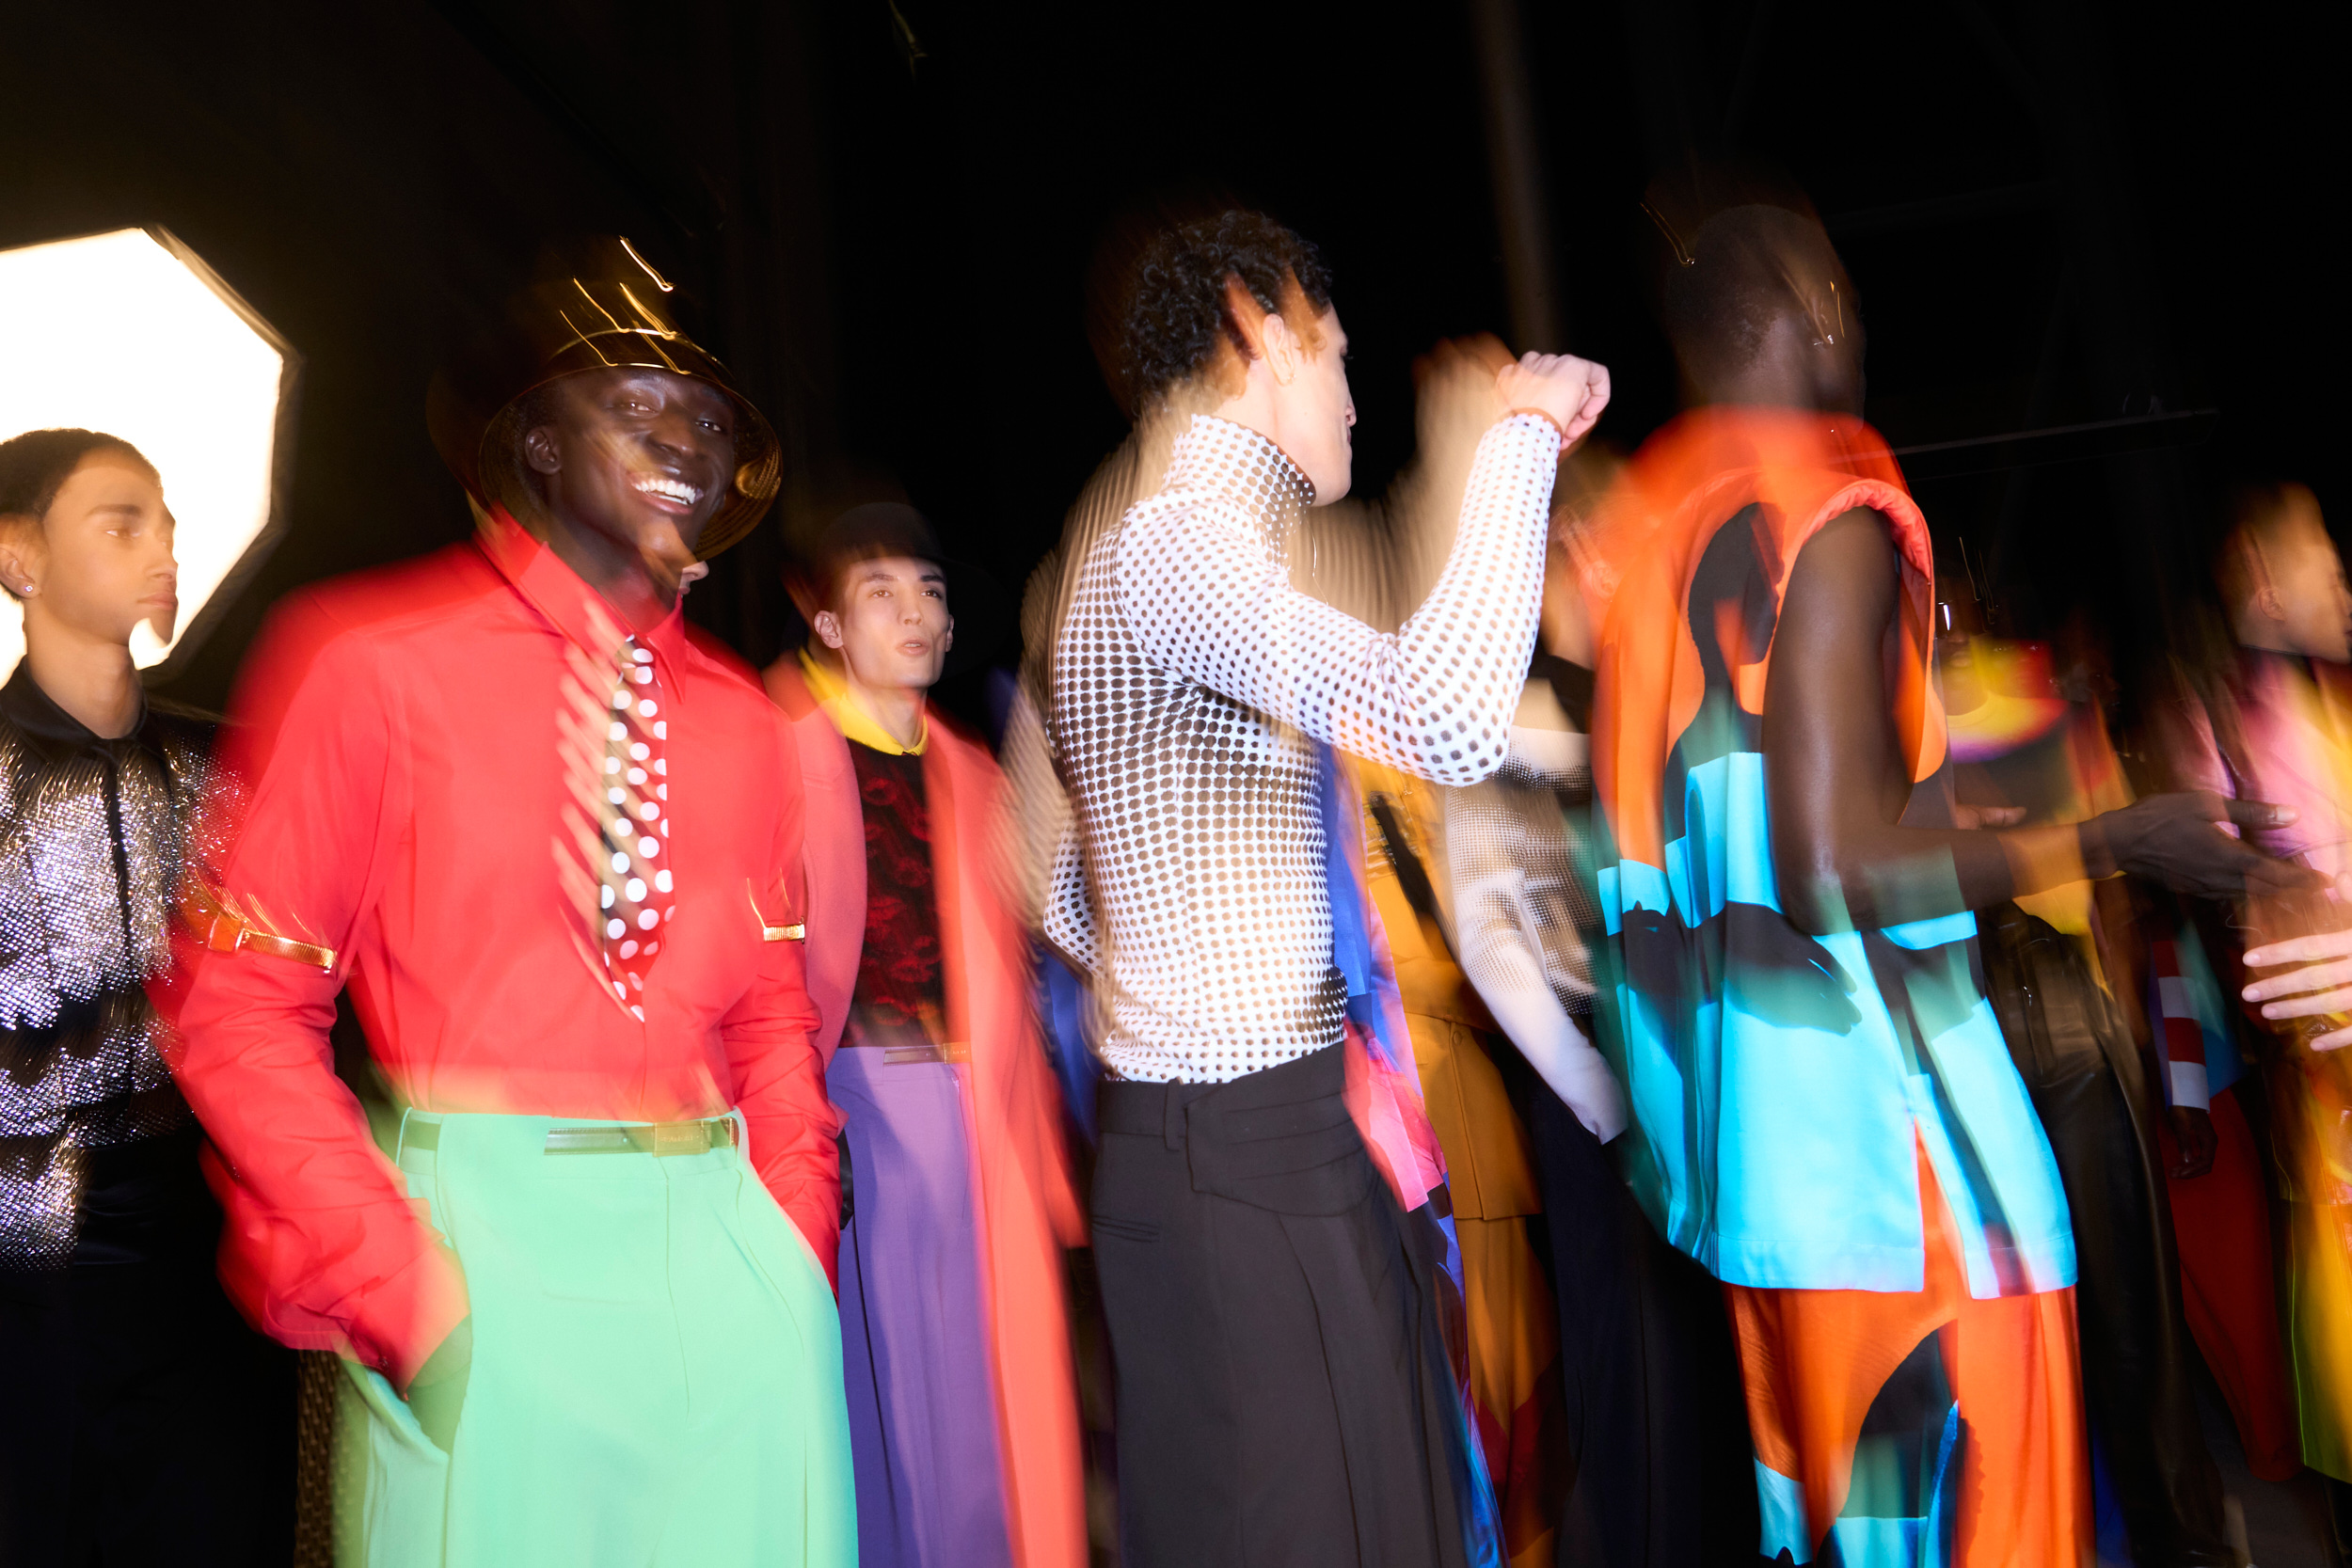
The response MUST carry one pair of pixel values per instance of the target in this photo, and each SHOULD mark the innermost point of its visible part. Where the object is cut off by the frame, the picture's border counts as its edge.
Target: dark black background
(2056, 213)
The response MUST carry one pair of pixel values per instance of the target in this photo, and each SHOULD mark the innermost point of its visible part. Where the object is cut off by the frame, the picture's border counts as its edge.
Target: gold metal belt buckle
(680, 1137)
(950, 1052)
(659, 1138)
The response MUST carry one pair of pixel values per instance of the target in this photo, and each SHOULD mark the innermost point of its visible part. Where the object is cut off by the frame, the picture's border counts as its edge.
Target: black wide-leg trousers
(1652, 1407)
(140, 1419)
(1282, 1382)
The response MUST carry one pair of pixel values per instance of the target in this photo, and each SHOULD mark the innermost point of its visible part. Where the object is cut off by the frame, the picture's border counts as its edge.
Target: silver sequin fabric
(92, 839)
(1190, 676)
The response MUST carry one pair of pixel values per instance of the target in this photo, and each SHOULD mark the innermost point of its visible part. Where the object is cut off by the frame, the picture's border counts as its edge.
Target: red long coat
(1028, 1203)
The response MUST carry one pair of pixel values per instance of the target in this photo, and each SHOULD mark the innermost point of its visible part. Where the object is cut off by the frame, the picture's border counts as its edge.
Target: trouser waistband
(1255, 1105)
(423, 1129)
(1280, 1139)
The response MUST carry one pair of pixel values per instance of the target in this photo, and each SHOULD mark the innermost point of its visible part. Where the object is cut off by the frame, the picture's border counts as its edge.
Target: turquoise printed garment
(1780, 1082)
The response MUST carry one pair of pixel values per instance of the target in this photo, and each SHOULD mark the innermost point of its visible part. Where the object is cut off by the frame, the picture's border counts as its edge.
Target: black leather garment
(2083, 1071)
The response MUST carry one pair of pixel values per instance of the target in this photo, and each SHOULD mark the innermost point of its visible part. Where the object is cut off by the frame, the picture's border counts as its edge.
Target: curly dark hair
(1176, 313)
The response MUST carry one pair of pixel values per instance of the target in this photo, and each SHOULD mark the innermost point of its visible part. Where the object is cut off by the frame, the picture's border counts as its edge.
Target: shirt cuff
(403, 1320)
(1537, 416)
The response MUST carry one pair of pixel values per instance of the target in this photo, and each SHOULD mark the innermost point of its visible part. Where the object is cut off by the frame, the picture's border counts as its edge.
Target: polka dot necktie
(635, 896)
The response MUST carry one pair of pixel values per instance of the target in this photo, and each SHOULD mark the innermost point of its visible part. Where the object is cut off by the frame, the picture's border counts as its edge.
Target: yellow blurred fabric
(2294, 723)
(1490, 1173)
(2310, 1116)
(2319, 1332)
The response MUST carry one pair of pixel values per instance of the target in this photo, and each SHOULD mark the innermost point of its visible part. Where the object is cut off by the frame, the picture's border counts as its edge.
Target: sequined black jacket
(93, 834)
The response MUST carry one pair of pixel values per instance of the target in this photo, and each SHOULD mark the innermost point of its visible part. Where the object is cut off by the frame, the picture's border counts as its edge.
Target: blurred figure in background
(1513, 1335)
(2065, 971)
(1376, 560)
(2275, 723)
(145, 1422)
(963, 1414)
(1825, 1113)
(2217, 1181)
(1642, 1347)
(542, 830)
(1259, 1280)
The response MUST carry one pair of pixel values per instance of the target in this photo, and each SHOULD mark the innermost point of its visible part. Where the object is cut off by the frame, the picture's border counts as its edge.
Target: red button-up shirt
(399, 732)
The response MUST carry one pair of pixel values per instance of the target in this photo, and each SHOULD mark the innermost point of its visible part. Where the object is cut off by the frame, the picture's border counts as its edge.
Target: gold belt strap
(659, 1139)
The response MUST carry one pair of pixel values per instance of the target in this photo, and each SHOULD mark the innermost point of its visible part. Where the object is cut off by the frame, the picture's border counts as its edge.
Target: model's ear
(1248, 317)
(542, 451)
(827, 626)
(2269, 604)
(17, 568)
(1267, 333)
(1280, 349)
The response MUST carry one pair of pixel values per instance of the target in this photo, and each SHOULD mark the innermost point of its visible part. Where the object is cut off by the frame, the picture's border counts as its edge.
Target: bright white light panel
(114, 332)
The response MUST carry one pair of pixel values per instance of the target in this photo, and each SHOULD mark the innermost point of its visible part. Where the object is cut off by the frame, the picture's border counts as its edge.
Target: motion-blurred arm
(323, 1245)
(1838, 787)
(1435, 698)
(770, 1036)
(1500, 945)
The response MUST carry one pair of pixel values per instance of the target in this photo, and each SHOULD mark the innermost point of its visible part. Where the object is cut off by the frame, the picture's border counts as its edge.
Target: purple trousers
(915, 1333)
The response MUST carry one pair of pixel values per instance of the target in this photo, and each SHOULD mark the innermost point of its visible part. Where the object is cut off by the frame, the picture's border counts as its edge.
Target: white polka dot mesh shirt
(1188, 676)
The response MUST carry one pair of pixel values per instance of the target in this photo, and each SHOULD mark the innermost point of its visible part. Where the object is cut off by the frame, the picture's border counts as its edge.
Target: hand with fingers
(2319, 989)
(438, 1393)
(2177, 840)
(1569, 391)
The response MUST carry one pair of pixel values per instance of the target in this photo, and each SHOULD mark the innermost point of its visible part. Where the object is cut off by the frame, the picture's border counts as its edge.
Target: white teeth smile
(669, 489)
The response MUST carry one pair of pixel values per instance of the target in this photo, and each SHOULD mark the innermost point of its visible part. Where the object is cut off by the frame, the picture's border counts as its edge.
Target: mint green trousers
(656, 1380)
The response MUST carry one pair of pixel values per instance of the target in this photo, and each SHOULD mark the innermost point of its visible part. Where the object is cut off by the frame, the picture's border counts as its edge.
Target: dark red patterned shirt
(898, 971)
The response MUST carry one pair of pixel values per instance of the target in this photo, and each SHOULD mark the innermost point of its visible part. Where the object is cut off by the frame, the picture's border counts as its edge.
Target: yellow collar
(850, 715)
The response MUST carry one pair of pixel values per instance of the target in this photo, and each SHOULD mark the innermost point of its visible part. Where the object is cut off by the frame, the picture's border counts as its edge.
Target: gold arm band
(224, 928)
(767, 932)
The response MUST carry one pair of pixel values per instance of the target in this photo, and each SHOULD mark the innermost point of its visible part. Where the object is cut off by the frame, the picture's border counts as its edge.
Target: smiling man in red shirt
(538, 828)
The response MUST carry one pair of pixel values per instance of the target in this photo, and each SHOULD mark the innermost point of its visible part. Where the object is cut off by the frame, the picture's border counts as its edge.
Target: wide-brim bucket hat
(609, 312)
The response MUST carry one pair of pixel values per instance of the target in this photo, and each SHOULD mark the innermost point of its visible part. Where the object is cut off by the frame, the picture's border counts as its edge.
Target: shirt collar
(567, 603)
(1237, 464)
(24, 704)
(850, 715)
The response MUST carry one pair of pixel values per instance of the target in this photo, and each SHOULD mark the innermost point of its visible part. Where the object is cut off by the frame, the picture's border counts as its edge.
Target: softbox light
(131, 333)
